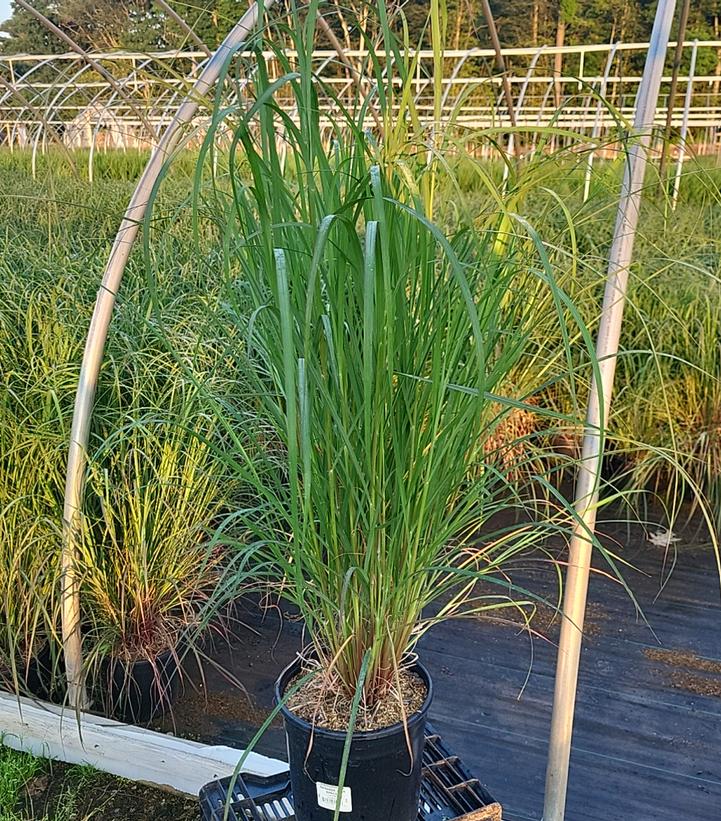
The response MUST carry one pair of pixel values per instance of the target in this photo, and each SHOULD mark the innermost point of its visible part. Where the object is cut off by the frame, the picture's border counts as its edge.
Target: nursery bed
(646, 741)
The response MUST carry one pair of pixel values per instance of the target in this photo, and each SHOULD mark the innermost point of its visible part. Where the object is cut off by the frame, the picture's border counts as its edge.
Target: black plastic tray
(448, 791)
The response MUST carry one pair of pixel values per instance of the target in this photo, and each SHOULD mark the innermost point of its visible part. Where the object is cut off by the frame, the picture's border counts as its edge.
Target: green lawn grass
(19, 772)
(16, 769)
(37, 789)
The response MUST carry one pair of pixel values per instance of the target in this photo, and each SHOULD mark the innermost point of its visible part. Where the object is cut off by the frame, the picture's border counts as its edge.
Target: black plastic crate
(448, 791)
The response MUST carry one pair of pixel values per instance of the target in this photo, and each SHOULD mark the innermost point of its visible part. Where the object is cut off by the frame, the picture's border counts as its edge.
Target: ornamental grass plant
(150, 580)
(28, 570)
(148, 569)
(37, 344)
(379, 343)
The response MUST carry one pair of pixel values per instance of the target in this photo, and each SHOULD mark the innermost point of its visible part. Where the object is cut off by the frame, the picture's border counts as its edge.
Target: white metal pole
(34, 159)
(519, 109)
(597, 121)
(581, 64)
(684, 127)
(541, 114)
(599, 405)
(95, 346)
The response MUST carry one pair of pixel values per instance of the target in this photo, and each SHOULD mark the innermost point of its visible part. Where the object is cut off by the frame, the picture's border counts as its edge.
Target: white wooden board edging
(124, 750)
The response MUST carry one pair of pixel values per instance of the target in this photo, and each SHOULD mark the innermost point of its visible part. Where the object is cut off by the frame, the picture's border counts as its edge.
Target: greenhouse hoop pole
(596, 130)
(84, 55)
(599, 405)
(172, 13)
(671, 99)
(684, 128)
(95, 346)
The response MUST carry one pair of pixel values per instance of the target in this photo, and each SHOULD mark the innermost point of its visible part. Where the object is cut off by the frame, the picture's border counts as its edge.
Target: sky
(4, 10)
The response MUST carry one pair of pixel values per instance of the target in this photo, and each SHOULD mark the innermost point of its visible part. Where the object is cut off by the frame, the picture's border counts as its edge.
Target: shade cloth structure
(51, 100)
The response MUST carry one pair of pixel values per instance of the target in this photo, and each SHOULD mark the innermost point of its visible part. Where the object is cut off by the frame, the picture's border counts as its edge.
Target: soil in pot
(138, 691)
(383, 778)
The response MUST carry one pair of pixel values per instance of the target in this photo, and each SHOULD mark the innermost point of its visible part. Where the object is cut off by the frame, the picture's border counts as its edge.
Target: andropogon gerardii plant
(377, 341)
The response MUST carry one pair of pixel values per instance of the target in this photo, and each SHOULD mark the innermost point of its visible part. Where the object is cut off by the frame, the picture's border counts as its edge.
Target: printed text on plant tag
(328, 795)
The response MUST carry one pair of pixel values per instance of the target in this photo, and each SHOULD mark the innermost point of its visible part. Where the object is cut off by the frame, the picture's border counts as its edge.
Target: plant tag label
(328, 796)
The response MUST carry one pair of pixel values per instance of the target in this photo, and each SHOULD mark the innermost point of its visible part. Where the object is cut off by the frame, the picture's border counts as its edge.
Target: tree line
(143, 25)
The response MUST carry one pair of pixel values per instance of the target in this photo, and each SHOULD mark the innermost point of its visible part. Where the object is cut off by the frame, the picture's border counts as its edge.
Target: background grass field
(168, 360)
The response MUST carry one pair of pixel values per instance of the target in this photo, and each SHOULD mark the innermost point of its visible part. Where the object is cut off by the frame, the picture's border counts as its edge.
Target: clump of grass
(155, 490)
(148, 569)
(378, 342)
(28, 575)
(36, 350)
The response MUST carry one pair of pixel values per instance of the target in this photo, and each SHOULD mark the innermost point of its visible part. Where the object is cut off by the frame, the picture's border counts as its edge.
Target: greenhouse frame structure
(143, 108)
(62, 97)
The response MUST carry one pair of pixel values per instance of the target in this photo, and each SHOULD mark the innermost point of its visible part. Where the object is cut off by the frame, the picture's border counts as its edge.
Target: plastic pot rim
(382, 732)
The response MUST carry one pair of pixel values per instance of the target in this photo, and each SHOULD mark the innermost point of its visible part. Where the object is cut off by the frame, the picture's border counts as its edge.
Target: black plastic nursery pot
(383, 778)
(138, 691)
(35, 675)
(39, 673)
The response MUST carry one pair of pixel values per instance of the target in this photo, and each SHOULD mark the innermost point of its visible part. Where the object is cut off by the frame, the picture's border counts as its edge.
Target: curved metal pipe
(95, 346)
(40, 110)
(88, 58)
(595, 132)
(59, 100)
(173, 93)
(170, 11)
(588, 480)
(129, 78)
(684, 128)
(454, 74)
(519, 107)
(34, 159)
